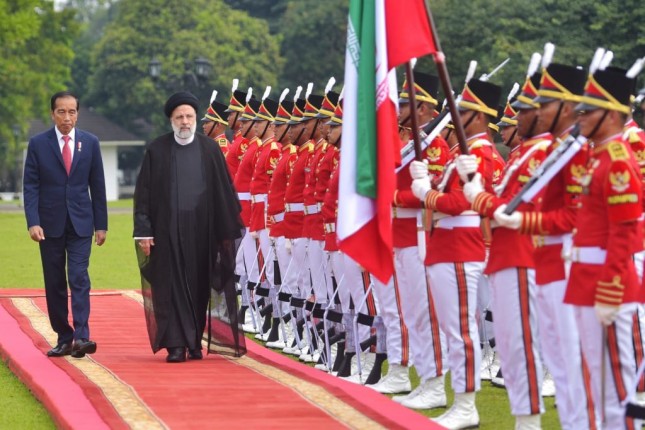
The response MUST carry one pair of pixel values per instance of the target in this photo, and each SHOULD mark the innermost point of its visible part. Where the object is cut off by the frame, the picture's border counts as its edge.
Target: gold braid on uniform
(396, 198)
(482, 202)
(610, 293)
(431, 199)
(532, 223)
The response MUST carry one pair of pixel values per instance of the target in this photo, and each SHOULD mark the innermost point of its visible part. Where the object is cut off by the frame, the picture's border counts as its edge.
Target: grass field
(113, 266)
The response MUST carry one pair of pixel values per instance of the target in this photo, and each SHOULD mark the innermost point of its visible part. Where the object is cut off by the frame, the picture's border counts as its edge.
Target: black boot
(345, 368)
(340, 354)
(274, 335)
(375, 374)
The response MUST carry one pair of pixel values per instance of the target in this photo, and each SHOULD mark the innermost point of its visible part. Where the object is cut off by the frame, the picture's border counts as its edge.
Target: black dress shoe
(82, 347)
(176, 355)
(60, 350)
(195, 354)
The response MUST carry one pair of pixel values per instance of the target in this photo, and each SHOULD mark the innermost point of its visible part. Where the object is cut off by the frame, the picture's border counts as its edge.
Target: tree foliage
(35, 59)
(237, 45)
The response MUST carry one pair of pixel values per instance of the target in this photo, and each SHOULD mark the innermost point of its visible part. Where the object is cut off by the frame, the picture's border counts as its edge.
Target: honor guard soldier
(551, 223)
(266, 159)
(296, 280)
(409, 298)
(214, 125)
(511, 268)
(603, 285)
(240, 142)
(456, 252)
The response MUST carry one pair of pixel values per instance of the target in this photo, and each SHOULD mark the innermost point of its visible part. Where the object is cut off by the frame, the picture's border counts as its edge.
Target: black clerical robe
(185, 199)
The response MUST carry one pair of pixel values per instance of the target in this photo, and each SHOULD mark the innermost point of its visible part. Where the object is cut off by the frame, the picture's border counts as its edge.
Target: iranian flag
(370, 148)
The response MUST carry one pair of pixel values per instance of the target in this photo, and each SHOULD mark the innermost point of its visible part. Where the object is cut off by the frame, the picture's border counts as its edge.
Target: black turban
(178, 99)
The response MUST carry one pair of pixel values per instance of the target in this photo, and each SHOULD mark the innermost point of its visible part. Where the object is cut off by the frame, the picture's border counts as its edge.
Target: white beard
(183, 133)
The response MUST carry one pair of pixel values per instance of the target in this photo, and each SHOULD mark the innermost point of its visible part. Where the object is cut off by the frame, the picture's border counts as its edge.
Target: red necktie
(67, 154)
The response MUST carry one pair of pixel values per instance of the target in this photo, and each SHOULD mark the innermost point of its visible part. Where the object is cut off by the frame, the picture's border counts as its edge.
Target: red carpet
(124, 385)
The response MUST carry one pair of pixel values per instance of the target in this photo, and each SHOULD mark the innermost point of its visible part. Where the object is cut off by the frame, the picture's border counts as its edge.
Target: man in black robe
(187, 227)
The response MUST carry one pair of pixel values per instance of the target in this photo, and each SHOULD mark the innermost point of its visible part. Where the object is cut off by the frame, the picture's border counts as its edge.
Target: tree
(238, 47)
(35, 59)
(313, 45)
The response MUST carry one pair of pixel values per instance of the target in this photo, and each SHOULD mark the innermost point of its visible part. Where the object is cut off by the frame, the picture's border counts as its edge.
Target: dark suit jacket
(50, 195)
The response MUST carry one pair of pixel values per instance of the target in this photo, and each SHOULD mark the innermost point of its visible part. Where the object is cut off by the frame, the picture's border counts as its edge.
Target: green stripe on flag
(362, 15)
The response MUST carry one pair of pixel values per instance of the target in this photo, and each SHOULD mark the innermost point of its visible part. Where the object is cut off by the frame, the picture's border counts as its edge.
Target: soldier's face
(547, 113)
(247, 129)
(232, 120)
(404, 114)
(334, 134)
(525, 121)
(506, 133)
(65, 114)
(588, 120)
(285, 138)
(324, 128)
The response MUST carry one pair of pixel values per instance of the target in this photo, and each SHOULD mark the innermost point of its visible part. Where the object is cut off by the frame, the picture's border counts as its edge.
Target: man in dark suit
(65, 204)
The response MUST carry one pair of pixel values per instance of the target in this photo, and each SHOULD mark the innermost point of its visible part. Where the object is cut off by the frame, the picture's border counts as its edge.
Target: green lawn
(113, 266)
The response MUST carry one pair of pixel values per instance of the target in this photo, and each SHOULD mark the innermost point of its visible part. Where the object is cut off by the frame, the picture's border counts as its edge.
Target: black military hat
(283, 114)
(608, 89)
(560, 82)
(312, 106)
(298, 112)
(250, 110)
(509, 116)
(216, 111)
(480, 96)
(267, 110)
(328, 105)
(337, 118)
(526, 98)
(426, 87)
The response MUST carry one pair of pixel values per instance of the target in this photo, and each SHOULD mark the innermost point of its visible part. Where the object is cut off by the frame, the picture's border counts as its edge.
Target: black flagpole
(440, 61)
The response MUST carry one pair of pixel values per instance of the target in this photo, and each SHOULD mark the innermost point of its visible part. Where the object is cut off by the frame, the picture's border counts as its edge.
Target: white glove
(606, 314)
(473, 188)
(419, 169)
(287, 245)
(254, 235)
(512, 221)
(466, 165)
(420, 187)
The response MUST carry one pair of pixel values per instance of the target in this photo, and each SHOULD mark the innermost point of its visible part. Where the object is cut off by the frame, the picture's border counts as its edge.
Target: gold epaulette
(617, 151)
(274, 145)
(633, 137)
(293, 149)
(222, 142)
(479, 143)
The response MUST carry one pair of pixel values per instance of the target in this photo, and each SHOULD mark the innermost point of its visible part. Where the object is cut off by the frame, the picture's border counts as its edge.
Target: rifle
(548, 169)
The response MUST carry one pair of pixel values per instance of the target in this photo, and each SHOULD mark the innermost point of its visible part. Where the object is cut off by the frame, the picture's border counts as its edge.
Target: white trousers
(268, 255)
(296, 277)
(317, 267)
(358, 282)
(515, 313)
(419, 313)
(561, 352)
(454, 289)
(618, 351)
(397, 338)
(252, 258)
(336, 269)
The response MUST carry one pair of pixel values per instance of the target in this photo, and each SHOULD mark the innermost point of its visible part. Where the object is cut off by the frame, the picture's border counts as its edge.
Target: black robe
(185, 199)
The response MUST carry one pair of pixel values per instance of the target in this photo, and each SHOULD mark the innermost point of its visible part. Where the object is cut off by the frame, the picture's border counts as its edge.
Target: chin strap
(595, 129)
(510, 139)
(286, 129)
(556, 118)
(313, 130)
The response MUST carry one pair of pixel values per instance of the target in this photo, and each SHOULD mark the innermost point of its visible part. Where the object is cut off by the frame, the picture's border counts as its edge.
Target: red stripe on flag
(408, 31)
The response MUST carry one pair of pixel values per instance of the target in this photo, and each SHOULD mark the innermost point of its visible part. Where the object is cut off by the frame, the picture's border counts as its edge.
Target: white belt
(587, 254)
(244, 196)
(258, 198)
(549, 240)
(278, 217)
(458, 221)
(330, 227)
(311, 209)
(404, 212)
(294, 207)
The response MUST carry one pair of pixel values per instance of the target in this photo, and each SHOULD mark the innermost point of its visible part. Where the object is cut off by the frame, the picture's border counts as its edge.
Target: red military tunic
(243, 177)
(294, 216)
(330, 209)
(636, 138)
(466, 242)
(278, 188)
(313, 227)
(509, 248)
(498, 165)
(607, 223)
(555, 215)
(326, 166)
(404, 222)
(235, 153)
(267, 156)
